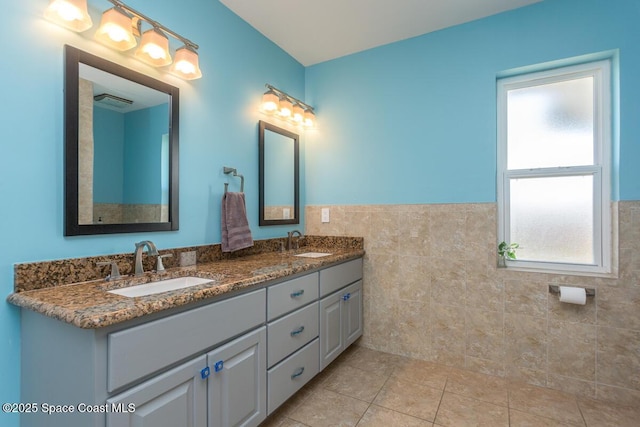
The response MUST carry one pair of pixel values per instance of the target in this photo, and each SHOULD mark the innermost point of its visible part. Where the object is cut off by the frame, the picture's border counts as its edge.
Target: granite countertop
(88, 305)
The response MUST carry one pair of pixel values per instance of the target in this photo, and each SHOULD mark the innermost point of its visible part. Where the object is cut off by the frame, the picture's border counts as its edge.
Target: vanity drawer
(284, 379)
(144, 349)
(291, 295)
(334, 278)
(288, 334)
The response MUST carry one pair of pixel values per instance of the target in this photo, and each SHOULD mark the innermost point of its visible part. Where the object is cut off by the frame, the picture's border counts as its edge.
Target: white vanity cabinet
(340, 309)
(225, 363)
(185, 369)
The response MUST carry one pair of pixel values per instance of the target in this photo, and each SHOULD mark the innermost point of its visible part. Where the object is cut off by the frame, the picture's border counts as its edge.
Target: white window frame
(600, 170)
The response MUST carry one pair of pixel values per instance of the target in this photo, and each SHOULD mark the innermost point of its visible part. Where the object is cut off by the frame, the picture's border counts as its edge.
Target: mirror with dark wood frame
(121, 148)
(279, 200)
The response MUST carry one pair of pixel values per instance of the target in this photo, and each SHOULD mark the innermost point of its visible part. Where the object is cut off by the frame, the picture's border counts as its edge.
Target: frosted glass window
(551, 124)
(552, 218)
(553, 184)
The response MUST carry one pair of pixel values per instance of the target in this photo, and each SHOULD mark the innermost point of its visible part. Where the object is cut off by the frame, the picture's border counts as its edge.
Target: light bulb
(71, 14)
(185, 64)
(285, 107)
(270, 101)
(154, 48)
(309, 118)
(116, 30)
(298, 113)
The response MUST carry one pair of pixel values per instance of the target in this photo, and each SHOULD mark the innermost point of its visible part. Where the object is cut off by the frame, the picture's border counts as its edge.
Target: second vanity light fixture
(119, 28)
(275, 101)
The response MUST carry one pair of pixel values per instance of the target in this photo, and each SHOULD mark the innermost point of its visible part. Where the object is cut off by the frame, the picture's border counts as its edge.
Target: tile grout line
(435, 416)
(508, 384)
(373, 400)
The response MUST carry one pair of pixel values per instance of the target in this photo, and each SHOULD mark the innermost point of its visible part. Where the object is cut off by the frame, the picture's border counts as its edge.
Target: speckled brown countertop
(88, 305)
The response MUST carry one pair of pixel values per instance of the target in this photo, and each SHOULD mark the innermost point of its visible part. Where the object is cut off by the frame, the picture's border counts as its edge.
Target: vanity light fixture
(309, 118)
(119, 28)
(116, 29)
(285, 106)
(71, 14)
(186, 63)
(270, 101)
(298, 113)
(154, 48)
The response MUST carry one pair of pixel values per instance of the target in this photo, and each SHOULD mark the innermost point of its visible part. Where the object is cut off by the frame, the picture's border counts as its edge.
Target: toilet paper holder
(555, 289)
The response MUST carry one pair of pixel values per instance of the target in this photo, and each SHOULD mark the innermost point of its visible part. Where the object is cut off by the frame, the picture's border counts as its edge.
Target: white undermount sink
(160, 286)
(313, 254)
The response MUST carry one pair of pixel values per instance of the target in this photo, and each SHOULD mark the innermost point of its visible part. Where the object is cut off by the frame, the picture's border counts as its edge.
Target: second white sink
(313, 254)
(160, 286)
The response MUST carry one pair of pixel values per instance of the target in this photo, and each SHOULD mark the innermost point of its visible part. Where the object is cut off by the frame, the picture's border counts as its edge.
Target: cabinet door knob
(297, 373)
(218, 366)
(204, 373)
(346, 297)
(297, 331)
(297, 293)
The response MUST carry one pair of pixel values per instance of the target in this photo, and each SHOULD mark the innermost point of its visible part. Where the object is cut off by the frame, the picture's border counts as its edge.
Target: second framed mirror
(279, 175)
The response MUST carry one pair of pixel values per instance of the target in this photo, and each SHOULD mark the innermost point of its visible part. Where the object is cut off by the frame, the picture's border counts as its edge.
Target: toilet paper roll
(573, 295)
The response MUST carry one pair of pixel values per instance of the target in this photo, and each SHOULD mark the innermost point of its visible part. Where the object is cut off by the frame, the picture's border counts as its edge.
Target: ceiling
(314, 31)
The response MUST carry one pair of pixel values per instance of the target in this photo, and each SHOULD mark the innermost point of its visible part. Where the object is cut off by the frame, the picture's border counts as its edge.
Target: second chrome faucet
(290, 236)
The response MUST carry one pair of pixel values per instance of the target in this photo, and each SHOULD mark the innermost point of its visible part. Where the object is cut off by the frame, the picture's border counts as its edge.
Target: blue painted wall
(415, 121)
(108, 146)
(219, 126)
(142, 153)
(129, 146)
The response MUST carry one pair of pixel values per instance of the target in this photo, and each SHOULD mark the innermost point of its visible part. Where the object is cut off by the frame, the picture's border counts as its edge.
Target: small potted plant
(506, 251)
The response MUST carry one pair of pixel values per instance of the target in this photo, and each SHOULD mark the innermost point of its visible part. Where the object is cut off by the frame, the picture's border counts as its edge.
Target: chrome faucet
(290, 235)
(151, 250)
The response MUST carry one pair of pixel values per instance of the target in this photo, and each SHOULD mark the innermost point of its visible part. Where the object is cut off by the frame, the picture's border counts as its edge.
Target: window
(553, 168)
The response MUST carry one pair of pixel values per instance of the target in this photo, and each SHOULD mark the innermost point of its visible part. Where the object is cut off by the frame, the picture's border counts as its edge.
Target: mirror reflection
(278, 175)
(121, 149)
(127, 124)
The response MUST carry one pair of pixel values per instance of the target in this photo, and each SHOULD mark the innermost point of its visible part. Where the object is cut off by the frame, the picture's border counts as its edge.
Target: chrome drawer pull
(297, 331)
(297, 373)
(297, 294)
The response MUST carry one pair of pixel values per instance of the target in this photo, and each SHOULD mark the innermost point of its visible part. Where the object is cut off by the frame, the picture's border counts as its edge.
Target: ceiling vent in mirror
(112, 100)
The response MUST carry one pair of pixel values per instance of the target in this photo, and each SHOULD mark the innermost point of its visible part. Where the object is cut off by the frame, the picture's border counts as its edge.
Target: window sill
(595, 272)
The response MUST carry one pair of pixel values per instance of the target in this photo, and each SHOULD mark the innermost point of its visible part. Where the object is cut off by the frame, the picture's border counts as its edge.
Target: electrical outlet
(286, 213)
(325, 214)
(187, 258)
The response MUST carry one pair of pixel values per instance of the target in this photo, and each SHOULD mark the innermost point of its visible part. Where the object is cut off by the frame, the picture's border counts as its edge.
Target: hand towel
(235, 226)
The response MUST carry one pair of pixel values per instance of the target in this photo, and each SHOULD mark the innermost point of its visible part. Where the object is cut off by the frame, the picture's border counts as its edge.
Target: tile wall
(433, 292)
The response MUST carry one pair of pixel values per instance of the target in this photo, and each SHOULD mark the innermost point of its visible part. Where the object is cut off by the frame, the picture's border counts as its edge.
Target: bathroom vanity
(228, 360)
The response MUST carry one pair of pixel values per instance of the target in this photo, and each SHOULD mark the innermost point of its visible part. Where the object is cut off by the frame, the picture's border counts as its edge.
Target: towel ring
(227, 171)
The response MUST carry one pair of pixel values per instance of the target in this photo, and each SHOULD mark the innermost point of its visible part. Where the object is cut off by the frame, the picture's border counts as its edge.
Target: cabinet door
(331, 330)
(352, 307)
(237, 385)
(175, 398)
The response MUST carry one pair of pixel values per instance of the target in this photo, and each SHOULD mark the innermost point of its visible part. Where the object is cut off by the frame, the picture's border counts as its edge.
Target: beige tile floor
(369, 388)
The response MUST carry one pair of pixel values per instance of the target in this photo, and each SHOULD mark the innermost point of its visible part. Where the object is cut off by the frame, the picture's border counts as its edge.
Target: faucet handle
(160, 267)
(115, 272)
